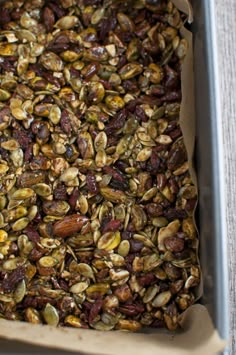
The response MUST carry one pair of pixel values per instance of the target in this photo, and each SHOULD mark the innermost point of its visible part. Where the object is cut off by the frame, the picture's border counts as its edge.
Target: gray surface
(226, 37)
(7, 347)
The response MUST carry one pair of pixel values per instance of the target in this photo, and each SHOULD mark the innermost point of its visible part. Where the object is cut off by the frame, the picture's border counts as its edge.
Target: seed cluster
(96, 199)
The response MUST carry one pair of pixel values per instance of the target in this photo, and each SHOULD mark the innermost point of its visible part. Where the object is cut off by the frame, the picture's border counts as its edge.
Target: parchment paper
(198, 335)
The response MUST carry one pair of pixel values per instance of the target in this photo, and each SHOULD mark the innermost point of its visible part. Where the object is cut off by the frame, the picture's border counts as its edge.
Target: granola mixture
(96, 199)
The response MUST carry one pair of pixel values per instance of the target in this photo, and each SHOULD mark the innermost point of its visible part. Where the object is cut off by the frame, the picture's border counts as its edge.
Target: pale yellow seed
(3, 235)
(124, 248)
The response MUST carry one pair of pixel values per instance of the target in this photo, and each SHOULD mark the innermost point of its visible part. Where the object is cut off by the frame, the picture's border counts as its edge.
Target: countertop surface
(226, 33)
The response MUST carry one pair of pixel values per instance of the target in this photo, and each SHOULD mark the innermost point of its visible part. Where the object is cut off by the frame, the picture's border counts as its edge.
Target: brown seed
(32, 316)
(75, 322)
(131, 325)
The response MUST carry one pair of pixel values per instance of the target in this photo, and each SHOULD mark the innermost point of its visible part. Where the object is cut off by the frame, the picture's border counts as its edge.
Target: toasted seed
(83, 204)
(20, 291)
(117, 260)
(19, 113)
(74, 321)
(51, 61)
(118, 275)
(101, 159)
(3, 236)
(8, 49)
(97, 289)
(55, 114)
(97, 16)
(20, 224)
(109, 240)
(32, 316)
(3, 168)
(114, 102)
(144, 154)
(69, 174)
(66, 22)
(4, 95)
(162, 299)
(32, 212)
(47, 261)
(22, 194)
(130, 70)
(131, 325)
(150, 293)
(112, 195)
(149, 194)
(100, 141)
(16, 213)
(124, 248)
(50, 315)
(79, 287)
(11, 144)
(164, 139)
(12, 264)
(85, 270)
(168, 231)
(102, 326)
(150, 262)
(42, 189)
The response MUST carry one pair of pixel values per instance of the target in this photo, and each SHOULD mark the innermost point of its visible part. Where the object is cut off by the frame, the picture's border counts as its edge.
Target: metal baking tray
(209, 165)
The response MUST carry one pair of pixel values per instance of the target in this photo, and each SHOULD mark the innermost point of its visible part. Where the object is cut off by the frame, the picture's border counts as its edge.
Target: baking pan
(209, 166)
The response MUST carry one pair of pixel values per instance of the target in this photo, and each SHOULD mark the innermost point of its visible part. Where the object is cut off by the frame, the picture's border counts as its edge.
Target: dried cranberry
(60, 192)
(92, 184)
(73, 198)
(154, 210)
(35, 254)
(173, 213)
(171, 96)
(119, 185)
(95, 310)
(13, 278)
(104, 28)
(146, 280)
(117, 122)
(23, 137)
(131, 310)
(112, 226)
(125, 235)
(171, 78)
(5, 16)
(48, 18)
(32, 233)
(174, 244)
(66, 122)
(58, 10)
(135, 246)
(140, 114)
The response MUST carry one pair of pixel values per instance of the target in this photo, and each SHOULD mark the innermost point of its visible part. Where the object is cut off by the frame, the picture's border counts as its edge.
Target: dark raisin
(92, 184)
